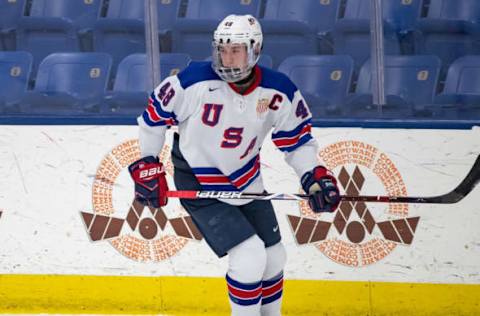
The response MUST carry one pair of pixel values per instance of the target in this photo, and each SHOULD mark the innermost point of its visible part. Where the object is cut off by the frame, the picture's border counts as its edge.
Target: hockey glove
(321, 185)
(150, 182)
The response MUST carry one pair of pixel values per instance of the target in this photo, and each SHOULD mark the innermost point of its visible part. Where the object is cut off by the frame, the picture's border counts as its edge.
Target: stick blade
(466, 186)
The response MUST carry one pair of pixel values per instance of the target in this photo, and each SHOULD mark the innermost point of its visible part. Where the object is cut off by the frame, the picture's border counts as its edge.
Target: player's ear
(257, 48)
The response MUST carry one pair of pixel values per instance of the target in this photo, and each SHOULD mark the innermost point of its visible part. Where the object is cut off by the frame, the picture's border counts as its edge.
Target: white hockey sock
(272, 291)
(272, 284)
(246, 266)
(245, 298)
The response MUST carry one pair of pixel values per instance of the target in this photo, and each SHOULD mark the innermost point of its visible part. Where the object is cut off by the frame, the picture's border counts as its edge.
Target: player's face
(233, 55)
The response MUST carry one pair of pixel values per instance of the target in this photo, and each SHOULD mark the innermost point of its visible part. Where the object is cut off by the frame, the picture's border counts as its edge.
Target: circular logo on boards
(358, 233)
(138, 232)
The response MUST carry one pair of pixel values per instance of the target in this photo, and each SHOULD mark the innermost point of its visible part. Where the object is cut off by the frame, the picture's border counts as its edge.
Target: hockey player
(224, 109)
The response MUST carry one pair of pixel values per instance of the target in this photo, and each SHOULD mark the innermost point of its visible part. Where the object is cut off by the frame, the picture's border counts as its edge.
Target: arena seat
(56, 26)
(10, 13)
(217, 10)
(450, 30)
(265, 61)
(131, 90)
(323, 80)
(193, 34)
(460, 97)
(280, 41)
(69, 83)
(15, 70)
(410, 84)
(320, 16)
(122, 31)
(352, 32)
(81, 13)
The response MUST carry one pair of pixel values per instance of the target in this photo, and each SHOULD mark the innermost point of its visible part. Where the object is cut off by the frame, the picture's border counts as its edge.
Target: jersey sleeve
(292, 134)
(165, 108)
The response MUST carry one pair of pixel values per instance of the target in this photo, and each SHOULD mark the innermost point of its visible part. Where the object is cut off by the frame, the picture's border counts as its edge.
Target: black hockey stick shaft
(457, 194)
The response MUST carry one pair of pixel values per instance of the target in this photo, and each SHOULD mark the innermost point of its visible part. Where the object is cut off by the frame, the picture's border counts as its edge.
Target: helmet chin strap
(247, 79)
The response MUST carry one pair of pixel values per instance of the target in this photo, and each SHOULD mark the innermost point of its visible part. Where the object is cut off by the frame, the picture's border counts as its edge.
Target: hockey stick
(457, 194)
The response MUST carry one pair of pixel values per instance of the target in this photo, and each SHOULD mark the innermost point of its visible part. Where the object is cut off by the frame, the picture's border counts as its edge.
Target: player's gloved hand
(150, 182)
(322, 187)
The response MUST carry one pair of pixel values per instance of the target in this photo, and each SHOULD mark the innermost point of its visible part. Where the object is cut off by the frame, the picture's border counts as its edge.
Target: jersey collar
(255, 83)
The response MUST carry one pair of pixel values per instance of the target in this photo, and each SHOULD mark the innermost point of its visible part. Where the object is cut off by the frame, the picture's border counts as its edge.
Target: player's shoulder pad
(197, 72)
(272, 79)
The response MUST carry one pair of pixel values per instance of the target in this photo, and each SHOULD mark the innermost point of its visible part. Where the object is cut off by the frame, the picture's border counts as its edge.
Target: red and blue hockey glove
(150, 182)
(322, 187)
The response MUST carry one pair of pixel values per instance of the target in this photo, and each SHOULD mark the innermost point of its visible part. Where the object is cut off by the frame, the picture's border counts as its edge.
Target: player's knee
(276, 259)
(247, 260)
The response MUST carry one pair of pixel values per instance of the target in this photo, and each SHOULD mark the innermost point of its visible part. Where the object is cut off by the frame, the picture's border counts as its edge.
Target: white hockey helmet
(237, 29)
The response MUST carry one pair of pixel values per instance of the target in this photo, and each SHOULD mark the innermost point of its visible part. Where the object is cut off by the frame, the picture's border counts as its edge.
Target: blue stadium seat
(69, 83)
(320, 16)
(217, 10)
(323, 80)
(352, 32)
(122, 31)
(193, 34)
(410, 84)
(400, 15)
(460, 97)
(10, 13)
(450, 30)
(280, 42)
(14, 73)
(56, 26)
(265, 61)
(131, 90)
(82, 13)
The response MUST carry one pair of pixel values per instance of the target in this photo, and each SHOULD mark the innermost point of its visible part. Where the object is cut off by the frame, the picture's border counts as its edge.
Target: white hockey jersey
(222, 130)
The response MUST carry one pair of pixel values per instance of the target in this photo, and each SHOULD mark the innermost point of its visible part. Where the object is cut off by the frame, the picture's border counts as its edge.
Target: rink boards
(72, 241)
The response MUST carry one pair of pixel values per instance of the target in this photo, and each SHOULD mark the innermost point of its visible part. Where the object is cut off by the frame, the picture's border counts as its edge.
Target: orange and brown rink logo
(359, 233)
(144, 233)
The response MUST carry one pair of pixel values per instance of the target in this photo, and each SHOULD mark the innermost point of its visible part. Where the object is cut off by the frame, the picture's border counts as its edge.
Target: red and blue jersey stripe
(154, 115)
(288, 141)
(244, 176)
(244, 294)
(212, 179)
(272, 289)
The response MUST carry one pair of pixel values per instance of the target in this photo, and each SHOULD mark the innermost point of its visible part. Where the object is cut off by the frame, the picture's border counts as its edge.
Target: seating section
(450, 30)
(14, 73)
(319, 15)
(431, 53)
(461, 95)
(122, 31)
(214, 9)
(10, 13)
(352, 32)
(410, 83)
(56, 26)
(82, 13)
(131, 89)
(323, 80)
(69, 83)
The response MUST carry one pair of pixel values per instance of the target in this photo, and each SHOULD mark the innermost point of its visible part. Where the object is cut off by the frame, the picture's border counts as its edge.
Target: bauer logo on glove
(322, 188)
(148, 174)
(150, 182)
